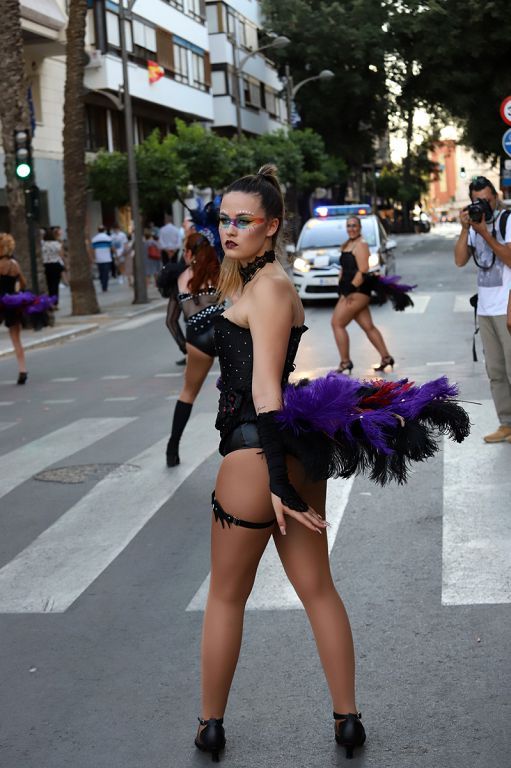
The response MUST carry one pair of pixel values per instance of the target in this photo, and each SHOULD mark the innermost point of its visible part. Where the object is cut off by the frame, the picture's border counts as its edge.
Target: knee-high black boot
(181, 415)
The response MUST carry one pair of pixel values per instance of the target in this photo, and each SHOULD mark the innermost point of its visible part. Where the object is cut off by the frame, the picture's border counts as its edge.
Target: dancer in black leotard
(353, 304)
(259, 491)
(10, 276)
(197, 298)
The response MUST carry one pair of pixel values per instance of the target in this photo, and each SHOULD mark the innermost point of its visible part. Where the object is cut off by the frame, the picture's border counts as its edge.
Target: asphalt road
(104, 555)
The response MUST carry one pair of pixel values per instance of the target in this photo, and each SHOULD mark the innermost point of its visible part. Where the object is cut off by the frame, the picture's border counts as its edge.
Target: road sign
(506, 142)
(505, 110)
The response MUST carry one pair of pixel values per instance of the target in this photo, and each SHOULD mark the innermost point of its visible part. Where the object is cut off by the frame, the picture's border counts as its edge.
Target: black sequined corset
(349, 268)
(7, 284)
(235, 354)
(200, 309)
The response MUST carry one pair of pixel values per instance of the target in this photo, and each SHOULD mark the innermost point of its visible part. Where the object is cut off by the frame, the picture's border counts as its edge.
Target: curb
(54, 337)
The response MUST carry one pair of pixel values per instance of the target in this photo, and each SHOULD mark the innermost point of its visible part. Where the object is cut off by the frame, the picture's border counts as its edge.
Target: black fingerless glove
(272, 444)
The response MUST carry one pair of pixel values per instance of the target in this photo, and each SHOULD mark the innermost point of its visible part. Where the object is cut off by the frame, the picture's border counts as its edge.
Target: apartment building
(198, 44)
(233, 34)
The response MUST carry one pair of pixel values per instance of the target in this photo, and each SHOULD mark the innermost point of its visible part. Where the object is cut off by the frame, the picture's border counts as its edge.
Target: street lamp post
(140, 281)
(279, 42)
(292, 90)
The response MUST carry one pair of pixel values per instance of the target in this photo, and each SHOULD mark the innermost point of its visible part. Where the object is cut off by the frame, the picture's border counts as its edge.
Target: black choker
(248, 272)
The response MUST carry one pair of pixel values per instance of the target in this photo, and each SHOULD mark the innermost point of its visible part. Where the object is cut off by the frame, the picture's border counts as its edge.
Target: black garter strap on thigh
(221, 514)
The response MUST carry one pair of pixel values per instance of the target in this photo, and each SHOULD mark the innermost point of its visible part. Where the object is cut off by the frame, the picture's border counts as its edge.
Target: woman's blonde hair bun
(268, 170)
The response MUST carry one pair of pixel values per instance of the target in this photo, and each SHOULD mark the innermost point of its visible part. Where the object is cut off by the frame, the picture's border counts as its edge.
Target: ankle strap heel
(212, 737)
(350, 733)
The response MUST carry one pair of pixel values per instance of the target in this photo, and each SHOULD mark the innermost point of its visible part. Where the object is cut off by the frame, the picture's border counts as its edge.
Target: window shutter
(203, 8)
(165, 49)
(207, 69)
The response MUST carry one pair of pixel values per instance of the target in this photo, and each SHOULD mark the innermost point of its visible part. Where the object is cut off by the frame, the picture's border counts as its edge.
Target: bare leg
(242, 490)
(197, 368)
(304, 556)
(346, 309)
(365, 321)
(15, 334)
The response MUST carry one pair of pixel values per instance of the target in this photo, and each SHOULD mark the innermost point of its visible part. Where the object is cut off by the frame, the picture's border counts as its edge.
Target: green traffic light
(23, 170)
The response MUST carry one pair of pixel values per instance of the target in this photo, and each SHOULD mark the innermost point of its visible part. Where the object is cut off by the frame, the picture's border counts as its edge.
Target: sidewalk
(115, 305)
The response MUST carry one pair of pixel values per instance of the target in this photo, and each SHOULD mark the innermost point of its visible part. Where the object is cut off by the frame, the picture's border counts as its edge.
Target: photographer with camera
(486, 237)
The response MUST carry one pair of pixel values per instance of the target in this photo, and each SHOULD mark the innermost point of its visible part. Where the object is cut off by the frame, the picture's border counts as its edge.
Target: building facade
(198, 45)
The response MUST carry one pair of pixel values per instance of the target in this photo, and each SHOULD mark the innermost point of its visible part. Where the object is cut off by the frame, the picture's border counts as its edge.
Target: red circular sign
(505, 110)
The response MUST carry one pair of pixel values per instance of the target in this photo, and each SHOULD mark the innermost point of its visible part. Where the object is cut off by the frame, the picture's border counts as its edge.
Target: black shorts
(245, 435)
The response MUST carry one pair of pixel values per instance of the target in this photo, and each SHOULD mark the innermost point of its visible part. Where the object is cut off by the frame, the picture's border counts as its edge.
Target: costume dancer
(19, 308)
(355, 289)
(197, 298)
(279, 444)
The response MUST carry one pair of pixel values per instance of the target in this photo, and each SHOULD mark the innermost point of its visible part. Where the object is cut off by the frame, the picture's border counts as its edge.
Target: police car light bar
(326, 211)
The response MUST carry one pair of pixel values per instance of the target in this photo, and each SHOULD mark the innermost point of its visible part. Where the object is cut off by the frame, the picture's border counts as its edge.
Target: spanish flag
(155, 71)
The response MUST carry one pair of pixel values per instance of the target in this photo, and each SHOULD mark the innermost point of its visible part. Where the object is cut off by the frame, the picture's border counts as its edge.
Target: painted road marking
(6, 402)
(58, 402)
(54, 570)
(138, 322)
(462, 304)
(476, 550)
(115, 377)
(64, 379)
(420, 304)
(19, 465)
(441, 362)
(7, 425)
(272, 590)
(119, 399)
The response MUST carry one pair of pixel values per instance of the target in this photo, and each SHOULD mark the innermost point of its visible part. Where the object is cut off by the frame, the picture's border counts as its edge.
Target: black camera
(480, 209)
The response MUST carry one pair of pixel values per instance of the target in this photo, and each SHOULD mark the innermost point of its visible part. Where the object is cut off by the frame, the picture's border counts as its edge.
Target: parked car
(316, 258)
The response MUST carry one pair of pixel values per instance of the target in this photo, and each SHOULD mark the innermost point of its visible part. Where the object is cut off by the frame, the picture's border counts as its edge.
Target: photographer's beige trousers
(497, 353)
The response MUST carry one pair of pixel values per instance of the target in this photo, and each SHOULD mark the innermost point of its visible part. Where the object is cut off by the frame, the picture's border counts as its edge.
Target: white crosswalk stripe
(138, 322)
(477, 521)
(272, 589)
(7, 425)
(19, 465)
(462, 304)
(53, 571)
(420, 304)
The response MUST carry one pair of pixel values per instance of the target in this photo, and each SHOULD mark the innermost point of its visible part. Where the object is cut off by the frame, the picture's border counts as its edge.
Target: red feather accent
(387, 392)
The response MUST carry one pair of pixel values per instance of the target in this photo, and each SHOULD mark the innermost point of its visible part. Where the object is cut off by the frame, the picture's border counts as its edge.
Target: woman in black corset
(260, 491)
(197, 299)
(354, 299)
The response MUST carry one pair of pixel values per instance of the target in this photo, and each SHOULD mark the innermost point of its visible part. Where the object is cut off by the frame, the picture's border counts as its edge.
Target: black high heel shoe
(211, 738)
(22, 377)
(345, 365)
(385, 361)
(350, 733)
(172, 454)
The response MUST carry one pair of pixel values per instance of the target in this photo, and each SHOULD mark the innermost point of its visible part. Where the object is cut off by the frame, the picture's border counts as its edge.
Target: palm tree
(84, 301)
(13, 115)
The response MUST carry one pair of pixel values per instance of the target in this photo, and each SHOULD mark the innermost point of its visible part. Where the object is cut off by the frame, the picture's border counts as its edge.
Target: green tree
(205, 155)
(345, 37)
(108, 178)
(161, 172)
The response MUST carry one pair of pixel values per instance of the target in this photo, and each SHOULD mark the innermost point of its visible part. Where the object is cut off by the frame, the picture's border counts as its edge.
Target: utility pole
(140, 281)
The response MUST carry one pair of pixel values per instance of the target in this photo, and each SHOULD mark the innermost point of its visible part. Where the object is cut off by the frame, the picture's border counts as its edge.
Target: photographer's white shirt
(494, 284)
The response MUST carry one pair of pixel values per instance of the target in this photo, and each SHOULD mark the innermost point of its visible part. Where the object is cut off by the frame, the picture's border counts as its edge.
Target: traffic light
(22, 154)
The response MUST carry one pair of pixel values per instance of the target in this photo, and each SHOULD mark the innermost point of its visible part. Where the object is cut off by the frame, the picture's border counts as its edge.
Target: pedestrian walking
(119, 243)
(197, 298)
(486, 237)
(52, 253)
(102, 250)
(11, 277)
(355, 289)
(272, 480)
(169, 240)
(152, 262)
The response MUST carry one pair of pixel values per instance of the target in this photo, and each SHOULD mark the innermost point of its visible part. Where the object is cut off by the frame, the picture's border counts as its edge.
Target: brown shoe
(503, 433)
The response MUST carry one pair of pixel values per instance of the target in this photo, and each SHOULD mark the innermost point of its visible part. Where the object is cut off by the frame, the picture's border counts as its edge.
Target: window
(198, 71)
(180, 63)
(144, 39)
(251, 92)
(219, 82)
(96, 131)
(165, 49)
(197, 9)
(112, 29)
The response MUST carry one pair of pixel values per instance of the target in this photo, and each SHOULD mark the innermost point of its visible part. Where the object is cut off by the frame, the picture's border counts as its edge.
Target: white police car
(316, 258)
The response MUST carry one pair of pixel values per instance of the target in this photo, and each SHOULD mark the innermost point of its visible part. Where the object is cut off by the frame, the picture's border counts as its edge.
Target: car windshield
(328, 233)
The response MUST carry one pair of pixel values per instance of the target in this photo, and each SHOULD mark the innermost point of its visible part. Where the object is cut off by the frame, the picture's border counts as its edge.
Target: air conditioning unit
(93, 58)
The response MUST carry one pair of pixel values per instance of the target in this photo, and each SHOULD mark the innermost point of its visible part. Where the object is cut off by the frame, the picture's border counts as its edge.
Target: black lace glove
(270, 436)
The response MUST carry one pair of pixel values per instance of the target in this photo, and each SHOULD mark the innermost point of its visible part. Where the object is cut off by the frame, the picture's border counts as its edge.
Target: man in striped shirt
(102, 249)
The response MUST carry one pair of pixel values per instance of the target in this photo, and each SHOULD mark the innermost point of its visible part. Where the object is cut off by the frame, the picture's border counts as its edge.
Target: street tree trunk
(83, 295)
(13, 115)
